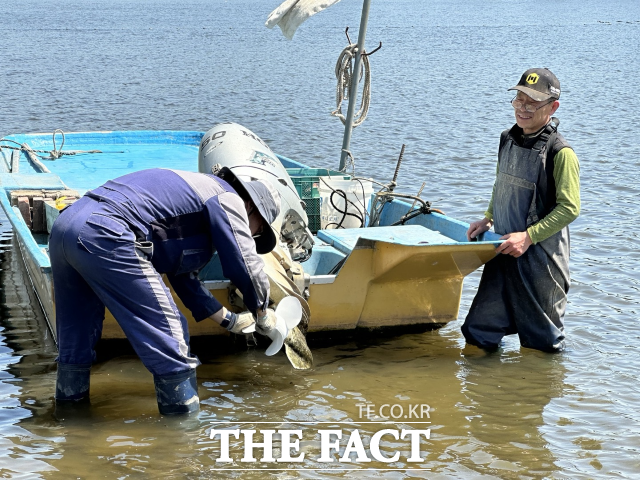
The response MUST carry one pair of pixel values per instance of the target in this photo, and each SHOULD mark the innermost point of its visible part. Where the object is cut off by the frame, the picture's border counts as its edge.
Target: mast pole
(353, 88)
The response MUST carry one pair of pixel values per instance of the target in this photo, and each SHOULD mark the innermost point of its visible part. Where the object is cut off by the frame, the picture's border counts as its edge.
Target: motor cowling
(250, 158)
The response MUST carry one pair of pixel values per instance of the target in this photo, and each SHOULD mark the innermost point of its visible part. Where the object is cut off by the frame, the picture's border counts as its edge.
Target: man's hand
(243, 320)
(515, 244)
(266, 321)
(234, 322)
(476, 228)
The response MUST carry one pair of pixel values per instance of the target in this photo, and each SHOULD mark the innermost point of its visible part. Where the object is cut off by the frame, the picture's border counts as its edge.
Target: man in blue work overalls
(110, 248)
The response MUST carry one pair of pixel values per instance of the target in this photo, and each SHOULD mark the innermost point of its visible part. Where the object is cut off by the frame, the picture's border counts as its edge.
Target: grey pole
(353, 89)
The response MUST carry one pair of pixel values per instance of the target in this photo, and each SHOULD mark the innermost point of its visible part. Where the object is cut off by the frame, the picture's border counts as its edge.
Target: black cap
(265, 198)
(539, 83)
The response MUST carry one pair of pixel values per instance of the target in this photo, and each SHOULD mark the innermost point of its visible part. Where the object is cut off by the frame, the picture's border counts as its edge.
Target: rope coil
(56, 153)
(351, 162)
(344, 75)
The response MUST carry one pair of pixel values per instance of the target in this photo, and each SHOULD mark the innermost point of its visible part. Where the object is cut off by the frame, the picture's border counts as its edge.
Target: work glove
(239, 321)
(267, 322)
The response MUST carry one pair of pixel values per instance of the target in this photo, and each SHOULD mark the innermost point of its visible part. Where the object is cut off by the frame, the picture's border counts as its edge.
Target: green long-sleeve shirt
(566, 173)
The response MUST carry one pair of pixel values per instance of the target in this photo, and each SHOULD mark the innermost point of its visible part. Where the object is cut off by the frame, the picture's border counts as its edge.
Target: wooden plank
(15, 161)
(35, 161)
(25, 210)
(31, 181)
(54, 194)
(51, 213)
(39, 224)
(5, 160)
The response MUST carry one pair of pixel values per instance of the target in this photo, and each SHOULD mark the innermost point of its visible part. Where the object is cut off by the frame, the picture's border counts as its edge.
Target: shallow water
(439, 85)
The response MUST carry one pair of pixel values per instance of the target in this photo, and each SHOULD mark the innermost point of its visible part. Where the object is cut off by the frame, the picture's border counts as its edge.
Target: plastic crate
(313, 213)
(307, 181)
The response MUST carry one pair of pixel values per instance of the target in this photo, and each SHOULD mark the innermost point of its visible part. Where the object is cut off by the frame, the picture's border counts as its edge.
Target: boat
(354, 258)
(405, 267)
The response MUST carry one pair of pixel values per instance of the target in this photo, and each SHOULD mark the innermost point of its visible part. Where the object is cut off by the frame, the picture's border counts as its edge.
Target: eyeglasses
(528, 107)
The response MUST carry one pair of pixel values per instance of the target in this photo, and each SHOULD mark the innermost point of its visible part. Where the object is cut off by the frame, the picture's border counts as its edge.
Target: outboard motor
(236, 147)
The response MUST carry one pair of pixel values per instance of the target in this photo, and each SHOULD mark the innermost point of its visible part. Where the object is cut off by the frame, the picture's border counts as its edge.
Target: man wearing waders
(110, 248)
(536, 196)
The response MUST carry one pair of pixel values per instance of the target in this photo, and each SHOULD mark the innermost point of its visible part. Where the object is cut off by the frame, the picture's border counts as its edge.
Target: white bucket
(358, 193)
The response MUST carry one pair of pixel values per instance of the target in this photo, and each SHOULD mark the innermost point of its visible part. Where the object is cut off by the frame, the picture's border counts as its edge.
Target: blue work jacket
(180, 219)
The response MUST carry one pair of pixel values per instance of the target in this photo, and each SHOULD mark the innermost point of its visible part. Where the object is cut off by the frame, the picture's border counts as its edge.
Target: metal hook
(365, 54)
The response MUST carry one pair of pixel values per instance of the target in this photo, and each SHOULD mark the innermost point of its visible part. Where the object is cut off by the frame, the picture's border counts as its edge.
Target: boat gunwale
(151, 137)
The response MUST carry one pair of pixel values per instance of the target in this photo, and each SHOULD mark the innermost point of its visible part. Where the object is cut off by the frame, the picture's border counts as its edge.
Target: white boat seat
(20, 181)
(345, 240)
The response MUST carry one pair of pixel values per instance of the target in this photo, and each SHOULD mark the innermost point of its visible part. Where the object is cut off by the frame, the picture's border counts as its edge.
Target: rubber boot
(72, 383)
(177, 393)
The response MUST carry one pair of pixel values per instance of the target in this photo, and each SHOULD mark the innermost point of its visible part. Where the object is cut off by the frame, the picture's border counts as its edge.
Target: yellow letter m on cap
(532, 79)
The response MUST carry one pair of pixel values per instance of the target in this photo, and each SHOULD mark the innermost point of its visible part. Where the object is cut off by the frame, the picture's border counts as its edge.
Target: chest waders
(525, 295)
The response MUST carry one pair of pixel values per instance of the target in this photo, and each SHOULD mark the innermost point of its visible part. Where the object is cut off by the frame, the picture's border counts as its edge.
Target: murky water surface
(439, 85)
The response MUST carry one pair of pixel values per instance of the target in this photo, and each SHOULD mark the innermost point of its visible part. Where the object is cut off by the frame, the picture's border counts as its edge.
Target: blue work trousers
(97, 262)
